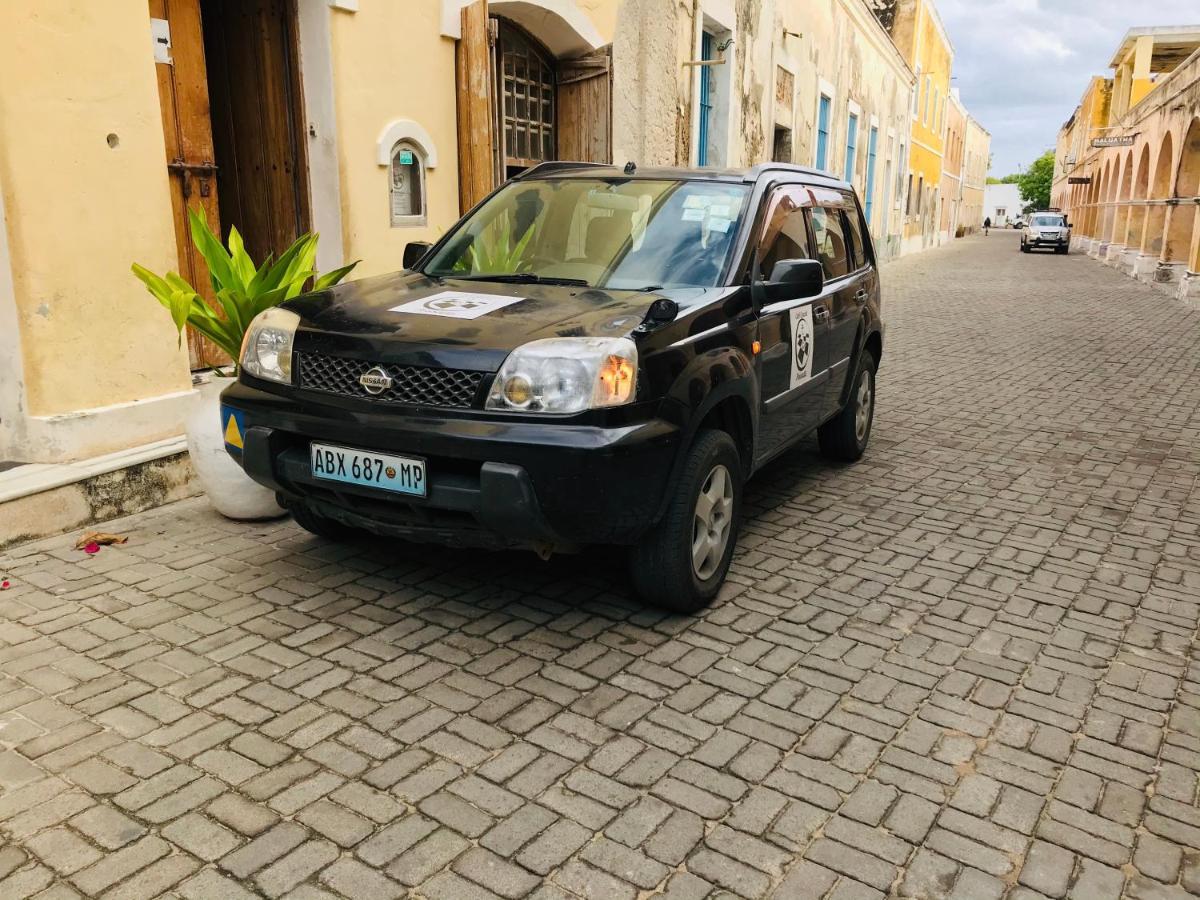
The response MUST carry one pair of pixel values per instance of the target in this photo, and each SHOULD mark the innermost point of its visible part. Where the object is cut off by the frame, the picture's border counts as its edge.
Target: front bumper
(490, 483)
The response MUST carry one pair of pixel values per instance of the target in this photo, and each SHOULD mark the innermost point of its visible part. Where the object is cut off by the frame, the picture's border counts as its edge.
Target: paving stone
(957, 668)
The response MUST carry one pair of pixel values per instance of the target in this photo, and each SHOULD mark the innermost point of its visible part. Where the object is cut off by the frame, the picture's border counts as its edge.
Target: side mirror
(794, 279)
(413, 251)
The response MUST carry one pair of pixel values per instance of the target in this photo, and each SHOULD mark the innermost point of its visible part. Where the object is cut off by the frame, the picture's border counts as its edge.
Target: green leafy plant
(493, 250)
(242, 289)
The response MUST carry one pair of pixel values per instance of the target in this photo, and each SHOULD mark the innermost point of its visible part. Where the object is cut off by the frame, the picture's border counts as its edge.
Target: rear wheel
(681, 563)
(845, 436)
(321, 526)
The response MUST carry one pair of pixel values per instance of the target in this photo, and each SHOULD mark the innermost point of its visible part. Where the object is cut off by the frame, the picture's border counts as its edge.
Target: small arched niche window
(407, 184)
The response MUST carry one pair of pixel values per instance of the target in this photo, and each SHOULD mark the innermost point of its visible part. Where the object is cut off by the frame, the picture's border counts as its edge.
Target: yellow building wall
(73, 72)
(935, 58)
(391, 62)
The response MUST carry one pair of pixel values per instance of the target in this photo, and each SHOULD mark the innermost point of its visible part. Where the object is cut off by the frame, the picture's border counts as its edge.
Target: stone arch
(1109, 212)
(560, 25)
(1121, 215)
(1137, 213)
(1160, 189)
(1182, 226)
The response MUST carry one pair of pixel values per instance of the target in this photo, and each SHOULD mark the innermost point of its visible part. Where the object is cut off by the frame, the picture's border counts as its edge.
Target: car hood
(409, 319)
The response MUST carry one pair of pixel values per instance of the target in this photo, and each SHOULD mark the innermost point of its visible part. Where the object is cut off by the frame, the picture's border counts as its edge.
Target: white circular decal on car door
(802, 344)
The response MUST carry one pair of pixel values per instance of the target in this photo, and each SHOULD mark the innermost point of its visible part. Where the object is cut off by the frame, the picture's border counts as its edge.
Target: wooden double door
(229, 88)
(518, 105)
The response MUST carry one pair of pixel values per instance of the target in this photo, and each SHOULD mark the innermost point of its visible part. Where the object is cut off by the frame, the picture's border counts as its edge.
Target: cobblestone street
(965, 667)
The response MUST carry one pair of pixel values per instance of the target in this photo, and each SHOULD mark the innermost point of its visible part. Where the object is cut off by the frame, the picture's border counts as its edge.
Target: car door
(850, 300)
(833, 247)
(793, 334)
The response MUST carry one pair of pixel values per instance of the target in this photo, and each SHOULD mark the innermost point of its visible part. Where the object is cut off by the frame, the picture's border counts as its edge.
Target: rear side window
(830, 237)
(855, 236)
(786, 235)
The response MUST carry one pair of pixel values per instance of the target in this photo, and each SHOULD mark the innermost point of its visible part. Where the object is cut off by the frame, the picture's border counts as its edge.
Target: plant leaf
(332, 277)
(220, 265)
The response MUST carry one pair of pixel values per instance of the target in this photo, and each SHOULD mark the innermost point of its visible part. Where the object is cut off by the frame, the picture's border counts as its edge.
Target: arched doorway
(1137, 212)
(1183, 217)
(1121, 216)
(534, 84)
(1160, 188)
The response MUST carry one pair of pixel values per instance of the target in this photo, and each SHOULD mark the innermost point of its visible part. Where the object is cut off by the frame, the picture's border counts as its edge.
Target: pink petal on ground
(4, 585)
(91, 549)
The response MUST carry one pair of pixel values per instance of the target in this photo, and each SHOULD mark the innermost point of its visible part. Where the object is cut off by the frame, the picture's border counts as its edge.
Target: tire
(1024, 248)
(1062, 250)
(662, 565)
(321, 526)
(845, 436)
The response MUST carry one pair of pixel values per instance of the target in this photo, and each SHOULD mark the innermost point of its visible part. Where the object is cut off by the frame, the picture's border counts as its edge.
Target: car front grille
(411, 385)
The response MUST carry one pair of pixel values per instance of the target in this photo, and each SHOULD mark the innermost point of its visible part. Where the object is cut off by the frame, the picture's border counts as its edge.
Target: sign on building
(1123, 140)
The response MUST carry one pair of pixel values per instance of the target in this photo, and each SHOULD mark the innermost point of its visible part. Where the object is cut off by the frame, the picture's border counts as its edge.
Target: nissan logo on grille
(375, 380)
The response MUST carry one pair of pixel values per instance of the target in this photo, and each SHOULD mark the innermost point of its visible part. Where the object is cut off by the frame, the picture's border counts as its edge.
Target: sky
(1022, 65)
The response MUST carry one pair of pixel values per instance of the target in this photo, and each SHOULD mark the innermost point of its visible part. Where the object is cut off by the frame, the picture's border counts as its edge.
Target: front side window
(786, 234)
(830, 242)
(407, 185)
(620, 233)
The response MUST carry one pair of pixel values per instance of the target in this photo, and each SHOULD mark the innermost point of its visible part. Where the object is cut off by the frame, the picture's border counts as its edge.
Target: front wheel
(845, 436)
(681, 563)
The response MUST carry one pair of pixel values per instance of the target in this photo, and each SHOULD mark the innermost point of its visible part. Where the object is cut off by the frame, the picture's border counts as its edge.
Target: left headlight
(566, 375)
(267, 346)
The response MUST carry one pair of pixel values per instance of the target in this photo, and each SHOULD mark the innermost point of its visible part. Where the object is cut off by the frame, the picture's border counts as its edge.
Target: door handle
(821, 312)
(204, 171)
(862, 295)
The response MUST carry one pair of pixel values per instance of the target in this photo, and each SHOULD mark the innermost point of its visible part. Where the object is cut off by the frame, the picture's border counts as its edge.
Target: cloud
(1022, 65)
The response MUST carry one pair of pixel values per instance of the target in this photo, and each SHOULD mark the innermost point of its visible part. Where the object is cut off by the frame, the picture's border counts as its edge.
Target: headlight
(267, 346)
(566, 375)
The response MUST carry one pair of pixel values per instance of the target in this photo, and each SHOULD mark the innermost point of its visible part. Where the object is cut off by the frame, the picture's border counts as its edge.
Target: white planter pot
(234, 494)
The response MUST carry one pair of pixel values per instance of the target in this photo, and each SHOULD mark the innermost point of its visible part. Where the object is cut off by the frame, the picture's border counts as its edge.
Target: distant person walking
(987, 223)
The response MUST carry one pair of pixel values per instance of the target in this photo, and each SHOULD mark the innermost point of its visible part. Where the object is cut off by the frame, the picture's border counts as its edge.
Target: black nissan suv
(593, 355)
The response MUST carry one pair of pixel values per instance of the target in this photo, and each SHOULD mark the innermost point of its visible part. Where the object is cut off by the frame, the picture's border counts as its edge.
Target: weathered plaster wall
(650, 90)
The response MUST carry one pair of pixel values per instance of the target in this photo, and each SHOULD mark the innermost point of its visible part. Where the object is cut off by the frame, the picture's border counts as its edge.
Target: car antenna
(630, 167)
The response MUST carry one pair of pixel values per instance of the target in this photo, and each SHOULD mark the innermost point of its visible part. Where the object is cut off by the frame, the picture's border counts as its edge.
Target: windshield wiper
(522, 278)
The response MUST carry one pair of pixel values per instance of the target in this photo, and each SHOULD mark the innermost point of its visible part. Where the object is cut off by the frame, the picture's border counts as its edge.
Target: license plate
(401, 474)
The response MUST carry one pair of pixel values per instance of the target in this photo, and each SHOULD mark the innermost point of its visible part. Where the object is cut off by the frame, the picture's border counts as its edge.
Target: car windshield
(1048, 221)
(615, 233)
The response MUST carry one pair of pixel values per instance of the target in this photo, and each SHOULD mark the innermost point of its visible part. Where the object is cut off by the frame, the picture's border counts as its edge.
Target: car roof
(562, 169)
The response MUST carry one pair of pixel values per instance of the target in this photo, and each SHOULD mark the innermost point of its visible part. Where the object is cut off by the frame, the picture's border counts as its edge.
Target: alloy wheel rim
(862, 410)
(711, 524)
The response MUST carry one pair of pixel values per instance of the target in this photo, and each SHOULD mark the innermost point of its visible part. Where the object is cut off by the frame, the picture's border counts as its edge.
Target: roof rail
(761, 168)
(558, 165)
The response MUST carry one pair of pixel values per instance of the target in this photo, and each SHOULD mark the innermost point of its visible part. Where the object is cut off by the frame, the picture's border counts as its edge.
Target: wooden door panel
(183, 97)
(473, 69)
(585, 107)
(256, 120)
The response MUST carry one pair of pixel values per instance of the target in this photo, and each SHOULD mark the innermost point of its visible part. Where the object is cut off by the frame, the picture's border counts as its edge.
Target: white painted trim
(324, 177)
(405, 130)
(824, 89)
(38, 477)
(12, 381)
(344, 5)
(853, 107)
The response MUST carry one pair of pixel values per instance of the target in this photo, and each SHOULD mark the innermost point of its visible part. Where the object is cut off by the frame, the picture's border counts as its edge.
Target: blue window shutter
(706, 49)
(871, 148)
(851, 146)
(823, 132)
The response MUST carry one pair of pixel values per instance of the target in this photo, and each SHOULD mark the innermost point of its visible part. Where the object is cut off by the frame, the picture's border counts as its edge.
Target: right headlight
(566, 375)
(267, 346)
